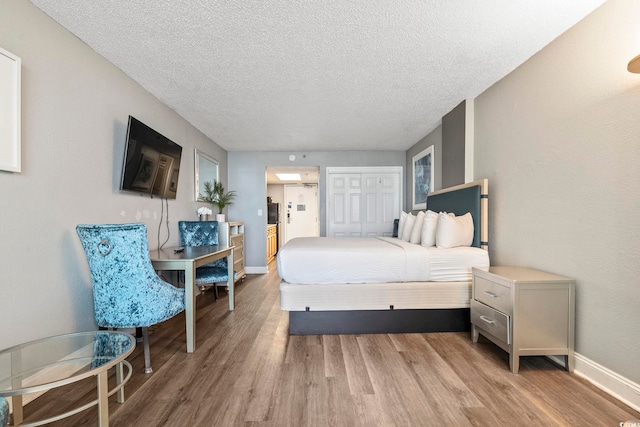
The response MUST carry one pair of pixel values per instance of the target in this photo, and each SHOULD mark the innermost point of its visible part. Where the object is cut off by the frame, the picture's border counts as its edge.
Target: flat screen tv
(151, 162)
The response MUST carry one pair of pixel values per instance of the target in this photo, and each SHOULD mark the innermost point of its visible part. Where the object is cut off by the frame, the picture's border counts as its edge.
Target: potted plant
(217, 196)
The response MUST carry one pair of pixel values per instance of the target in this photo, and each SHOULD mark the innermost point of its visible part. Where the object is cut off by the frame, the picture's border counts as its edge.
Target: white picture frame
(422, 178)
(10, 139)
(206, 169)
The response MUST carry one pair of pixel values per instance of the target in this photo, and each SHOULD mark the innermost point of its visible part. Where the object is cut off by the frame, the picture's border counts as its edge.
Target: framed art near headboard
(9, 112)
(422, 166)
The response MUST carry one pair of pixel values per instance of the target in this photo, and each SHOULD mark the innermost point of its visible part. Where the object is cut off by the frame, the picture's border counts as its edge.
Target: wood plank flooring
(247, 371)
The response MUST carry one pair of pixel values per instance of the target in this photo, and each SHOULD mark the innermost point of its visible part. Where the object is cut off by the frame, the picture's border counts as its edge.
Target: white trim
(606, 380)
(10, 145)
(363, 169)
(469, 140)
(256, 270)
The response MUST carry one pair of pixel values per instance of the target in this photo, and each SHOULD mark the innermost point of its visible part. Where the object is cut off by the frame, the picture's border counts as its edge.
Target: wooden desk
(191, 258)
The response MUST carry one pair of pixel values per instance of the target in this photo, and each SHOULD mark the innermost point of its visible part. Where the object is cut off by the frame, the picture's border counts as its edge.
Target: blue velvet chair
(204, 233)
(127, 292)
(4, 412)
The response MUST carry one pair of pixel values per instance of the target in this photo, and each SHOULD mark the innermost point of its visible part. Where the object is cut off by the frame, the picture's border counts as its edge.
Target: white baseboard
(605, 379)
(256, 270)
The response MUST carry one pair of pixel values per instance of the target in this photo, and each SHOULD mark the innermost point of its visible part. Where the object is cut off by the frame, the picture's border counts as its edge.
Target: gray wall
(449, 141)
(559, 141)
(453, 147)
(434, 138)
(75, 107)
(247, 175)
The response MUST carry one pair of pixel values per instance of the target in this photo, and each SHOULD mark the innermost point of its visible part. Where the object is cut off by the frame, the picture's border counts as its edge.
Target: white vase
(220, 217)
(204, 217)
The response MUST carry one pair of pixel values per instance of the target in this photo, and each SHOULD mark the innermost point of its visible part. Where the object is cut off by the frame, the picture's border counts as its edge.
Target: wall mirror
(206, 170)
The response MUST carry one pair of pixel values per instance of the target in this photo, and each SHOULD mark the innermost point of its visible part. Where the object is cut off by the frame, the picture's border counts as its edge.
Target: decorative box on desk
(233, 233)
(525, 312)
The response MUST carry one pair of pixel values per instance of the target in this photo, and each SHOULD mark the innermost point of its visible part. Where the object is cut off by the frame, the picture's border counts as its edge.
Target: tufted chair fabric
(204, 233)
(4, 412)
(127, 292)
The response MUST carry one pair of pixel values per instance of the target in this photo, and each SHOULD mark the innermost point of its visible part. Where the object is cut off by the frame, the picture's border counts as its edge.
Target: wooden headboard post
(470, 197)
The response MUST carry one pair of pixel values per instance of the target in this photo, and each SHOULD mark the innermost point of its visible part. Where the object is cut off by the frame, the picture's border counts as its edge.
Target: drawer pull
(491, 294)
(486, 319)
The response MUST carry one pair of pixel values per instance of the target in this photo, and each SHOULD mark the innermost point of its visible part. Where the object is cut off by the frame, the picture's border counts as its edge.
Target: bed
(383, 284)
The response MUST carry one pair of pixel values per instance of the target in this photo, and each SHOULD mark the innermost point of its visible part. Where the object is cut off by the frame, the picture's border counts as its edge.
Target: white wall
(75, 107)
(559, 140)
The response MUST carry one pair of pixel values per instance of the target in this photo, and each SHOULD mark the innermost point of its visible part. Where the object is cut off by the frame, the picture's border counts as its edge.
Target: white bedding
(326, 260)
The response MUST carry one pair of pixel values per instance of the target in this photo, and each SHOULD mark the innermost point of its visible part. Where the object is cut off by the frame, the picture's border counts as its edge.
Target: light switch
(259, 212)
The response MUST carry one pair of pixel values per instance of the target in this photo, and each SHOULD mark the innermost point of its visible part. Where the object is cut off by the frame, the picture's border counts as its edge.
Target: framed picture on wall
(423, 164)
(9, 112)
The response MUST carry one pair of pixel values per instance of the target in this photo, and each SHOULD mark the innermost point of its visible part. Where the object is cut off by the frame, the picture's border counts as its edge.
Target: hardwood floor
(247, 371)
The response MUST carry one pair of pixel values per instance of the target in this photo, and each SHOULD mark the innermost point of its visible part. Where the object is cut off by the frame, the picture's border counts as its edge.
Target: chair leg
(215, 291)
(147, 355)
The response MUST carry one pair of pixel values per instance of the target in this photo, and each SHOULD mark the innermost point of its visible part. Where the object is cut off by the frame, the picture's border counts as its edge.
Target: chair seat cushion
(209, 275)
(220, 263)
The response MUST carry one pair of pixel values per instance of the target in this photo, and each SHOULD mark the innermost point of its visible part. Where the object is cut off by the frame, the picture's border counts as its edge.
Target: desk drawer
(492, 294)
(492, 321)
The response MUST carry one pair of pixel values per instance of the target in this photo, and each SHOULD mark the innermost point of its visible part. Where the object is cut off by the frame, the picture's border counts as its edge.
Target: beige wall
(559, 140)
(75, 107)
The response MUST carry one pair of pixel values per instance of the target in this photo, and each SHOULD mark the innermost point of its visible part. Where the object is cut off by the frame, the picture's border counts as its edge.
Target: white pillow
(428, 235)
(416, 232)
(408, 227)
(403, 218)
(454, 231)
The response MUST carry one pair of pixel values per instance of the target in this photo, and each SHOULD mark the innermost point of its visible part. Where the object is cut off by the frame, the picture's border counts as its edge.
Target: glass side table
(52, 362)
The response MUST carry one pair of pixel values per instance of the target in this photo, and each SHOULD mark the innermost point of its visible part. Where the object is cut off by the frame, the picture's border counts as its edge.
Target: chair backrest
(201, 233)
(198, 233)
(118, 257)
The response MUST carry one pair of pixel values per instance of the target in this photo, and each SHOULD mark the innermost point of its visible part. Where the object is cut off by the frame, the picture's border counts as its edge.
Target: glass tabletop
(55, 361)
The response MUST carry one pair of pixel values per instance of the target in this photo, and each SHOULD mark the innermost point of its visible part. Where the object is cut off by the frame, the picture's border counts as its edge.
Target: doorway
(276, 182)
(301, 211)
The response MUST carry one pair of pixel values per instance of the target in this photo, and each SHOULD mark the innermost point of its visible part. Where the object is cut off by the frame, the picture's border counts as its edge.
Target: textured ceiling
(316, 75)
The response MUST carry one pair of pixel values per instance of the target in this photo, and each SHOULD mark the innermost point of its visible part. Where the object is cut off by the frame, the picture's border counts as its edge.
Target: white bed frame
(423, 306)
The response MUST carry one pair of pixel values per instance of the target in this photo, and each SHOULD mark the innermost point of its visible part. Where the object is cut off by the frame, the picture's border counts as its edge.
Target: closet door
(345, 191)
(363, 202)
(381, 201)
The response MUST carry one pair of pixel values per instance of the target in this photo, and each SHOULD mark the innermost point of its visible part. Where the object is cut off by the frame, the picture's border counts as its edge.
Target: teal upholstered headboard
(472, 197)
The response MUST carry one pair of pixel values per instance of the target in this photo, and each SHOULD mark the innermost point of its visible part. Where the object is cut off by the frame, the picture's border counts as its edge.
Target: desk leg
(16, 401)
(230, 279)
(18, 414)
(190, 307)
(103, 399)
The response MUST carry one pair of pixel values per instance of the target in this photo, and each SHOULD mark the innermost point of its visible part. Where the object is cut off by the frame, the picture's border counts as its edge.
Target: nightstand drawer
(490, 320)
(492, 294)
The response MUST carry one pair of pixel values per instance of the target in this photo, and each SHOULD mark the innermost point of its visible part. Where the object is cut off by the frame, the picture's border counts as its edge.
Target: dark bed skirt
(379, 321)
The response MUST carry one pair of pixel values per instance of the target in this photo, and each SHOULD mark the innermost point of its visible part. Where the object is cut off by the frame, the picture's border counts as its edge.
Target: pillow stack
(444, 230)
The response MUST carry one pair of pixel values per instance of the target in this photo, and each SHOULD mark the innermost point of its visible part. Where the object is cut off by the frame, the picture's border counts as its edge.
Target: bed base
(379, 321)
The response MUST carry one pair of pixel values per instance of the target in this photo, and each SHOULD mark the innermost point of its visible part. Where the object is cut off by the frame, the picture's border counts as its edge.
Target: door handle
(487, 320)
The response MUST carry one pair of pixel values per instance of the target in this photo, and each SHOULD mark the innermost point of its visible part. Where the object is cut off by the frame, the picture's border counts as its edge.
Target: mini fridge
(273, 213)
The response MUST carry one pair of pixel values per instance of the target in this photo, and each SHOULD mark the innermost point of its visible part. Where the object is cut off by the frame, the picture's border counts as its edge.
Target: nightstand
(525, 312)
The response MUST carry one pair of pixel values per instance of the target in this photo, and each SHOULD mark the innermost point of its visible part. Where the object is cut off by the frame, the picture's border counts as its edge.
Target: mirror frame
(199, 157)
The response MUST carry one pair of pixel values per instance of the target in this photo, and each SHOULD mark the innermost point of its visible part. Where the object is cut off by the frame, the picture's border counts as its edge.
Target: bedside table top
(521, 274)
